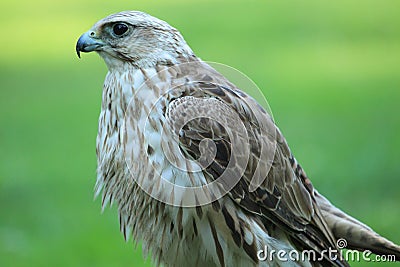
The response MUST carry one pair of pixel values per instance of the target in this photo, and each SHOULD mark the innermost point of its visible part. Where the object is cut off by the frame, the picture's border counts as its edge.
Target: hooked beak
(88, 43)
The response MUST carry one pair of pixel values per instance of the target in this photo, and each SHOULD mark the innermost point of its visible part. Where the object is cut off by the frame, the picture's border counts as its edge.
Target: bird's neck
(129, 82)
(126, 81)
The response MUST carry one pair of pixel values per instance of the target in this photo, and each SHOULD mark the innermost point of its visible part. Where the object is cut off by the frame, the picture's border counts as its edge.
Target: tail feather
(358, 235)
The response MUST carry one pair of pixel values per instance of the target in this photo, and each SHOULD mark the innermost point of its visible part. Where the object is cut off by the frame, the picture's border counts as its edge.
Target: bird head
(135, 38)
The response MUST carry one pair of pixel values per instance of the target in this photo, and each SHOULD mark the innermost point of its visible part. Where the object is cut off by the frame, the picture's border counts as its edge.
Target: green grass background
(329, 69)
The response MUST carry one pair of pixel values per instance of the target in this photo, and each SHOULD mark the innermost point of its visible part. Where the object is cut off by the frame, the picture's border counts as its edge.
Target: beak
(88, 43)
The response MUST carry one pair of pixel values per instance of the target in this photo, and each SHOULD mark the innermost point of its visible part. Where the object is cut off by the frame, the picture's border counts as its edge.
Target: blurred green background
(329, 69)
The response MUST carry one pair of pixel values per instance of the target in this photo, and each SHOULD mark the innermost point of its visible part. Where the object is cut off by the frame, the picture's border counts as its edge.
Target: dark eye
(120, 28)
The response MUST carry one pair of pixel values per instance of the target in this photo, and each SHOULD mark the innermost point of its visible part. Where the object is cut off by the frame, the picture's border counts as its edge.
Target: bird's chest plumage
(133, 141)
(131, 145)
(122, 115)
(135, 150)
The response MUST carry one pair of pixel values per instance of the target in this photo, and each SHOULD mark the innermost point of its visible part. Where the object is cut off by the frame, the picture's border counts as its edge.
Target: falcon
(201, 174)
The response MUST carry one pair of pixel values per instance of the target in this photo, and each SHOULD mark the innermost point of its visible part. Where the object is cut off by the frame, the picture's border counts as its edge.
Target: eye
(120, 28)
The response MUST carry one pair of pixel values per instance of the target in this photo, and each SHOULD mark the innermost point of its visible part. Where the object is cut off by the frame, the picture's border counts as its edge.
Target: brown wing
(284, 196)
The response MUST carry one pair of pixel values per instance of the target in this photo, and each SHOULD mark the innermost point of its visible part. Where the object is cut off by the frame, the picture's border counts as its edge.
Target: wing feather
(284, 197)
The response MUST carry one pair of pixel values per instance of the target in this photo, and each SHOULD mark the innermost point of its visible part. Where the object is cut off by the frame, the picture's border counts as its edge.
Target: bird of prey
(201, 174)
